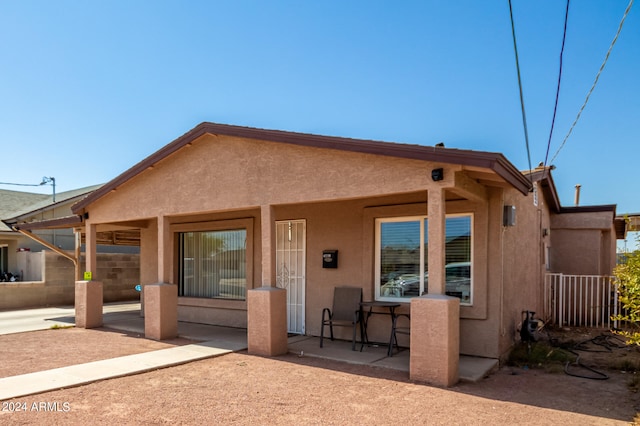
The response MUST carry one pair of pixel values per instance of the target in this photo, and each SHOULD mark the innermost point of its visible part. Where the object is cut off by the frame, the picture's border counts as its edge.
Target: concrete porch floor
(471, 369)
(126, 317)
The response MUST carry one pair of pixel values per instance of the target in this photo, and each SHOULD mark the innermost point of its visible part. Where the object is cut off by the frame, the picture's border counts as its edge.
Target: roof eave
(57, 223)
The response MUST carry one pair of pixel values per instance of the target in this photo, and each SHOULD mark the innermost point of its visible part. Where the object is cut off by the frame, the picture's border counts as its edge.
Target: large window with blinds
(213, 264)
(402, 263)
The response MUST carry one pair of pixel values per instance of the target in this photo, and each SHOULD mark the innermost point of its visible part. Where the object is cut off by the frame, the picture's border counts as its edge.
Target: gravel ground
(243, 389)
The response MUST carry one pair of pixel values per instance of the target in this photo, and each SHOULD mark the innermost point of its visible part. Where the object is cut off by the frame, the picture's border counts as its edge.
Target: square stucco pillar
(435, 339)
(88, 304)
(161, 311)
(268, 226)
(437, 240)
(267, 321)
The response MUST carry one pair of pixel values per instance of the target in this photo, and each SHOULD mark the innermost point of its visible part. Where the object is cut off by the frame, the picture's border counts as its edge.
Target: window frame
(421, 219)
(245, 224)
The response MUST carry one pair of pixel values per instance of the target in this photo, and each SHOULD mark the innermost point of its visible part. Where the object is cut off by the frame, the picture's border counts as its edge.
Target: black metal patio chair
(346, 312)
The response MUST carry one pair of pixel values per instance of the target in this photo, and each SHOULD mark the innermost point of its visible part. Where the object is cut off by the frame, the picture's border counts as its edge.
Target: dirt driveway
(244, 389)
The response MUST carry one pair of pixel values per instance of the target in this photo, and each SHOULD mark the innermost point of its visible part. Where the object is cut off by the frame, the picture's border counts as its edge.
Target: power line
(20, 184)
(626, 12)
(555, 106)
(524, 115)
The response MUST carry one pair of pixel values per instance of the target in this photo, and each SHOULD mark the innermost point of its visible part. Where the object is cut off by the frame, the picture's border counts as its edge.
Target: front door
(290, 264)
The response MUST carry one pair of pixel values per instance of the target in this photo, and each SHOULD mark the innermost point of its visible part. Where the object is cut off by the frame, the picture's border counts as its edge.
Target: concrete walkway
(35, 319)
(121, 316)
(81, 374)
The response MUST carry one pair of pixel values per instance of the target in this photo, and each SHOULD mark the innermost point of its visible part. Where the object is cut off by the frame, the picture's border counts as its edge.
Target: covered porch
(273, 187)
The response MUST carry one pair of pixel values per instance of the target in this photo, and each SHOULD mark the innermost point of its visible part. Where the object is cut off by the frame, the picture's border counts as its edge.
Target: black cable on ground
(598, 374)
(608, 343)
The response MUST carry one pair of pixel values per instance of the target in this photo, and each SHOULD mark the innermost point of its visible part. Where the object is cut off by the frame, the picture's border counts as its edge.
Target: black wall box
(330, 259)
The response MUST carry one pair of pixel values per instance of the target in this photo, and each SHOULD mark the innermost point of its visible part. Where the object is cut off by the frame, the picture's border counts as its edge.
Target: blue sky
(88, 89)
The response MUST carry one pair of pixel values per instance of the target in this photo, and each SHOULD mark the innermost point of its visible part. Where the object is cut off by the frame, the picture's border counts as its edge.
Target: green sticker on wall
(87, 275)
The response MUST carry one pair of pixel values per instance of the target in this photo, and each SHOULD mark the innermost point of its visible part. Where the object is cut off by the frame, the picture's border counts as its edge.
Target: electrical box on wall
(330, 259)
(509, 216)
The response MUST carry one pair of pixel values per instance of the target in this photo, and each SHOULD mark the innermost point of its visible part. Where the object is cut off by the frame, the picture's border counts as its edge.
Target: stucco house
(235, 224)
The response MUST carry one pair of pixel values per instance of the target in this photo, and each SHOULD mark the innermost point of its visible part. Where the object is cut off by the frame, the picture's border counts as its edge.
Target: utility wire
(555, 106)
(524, 115)
(626, 12)
(20, 184)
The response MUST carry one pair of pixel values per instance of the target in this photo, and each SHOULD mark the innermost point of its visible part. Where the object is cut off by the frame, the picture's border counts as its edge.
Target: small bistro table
(390, 306)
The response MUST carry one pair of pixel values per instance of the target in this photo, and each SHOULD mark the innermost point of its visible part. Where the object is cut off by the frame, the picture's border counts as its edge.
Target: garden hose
(606, 342)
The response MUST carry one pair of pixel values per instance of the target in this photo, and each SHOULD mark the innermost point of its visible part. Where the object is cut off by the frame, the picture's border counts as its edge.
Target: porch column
(161, 299)
(77, 232)
(268, 227)
(435, 339)
(90, 249)
(148, 258)
(267, 305)
(161, 311)
(435, 318)
(165, 252)
(89, 293)
(437, 242)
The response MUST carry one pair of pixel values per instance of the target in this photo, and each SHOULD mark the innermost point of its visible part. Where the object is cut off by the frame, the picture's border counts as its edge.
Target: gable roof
(47, 204)
(12, 202)
(492, 161)
(36, 205)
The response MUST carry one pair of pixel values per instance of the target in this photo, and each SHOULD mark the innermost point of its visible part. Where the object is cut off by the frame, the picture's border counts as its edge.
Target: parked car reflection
(458, 283)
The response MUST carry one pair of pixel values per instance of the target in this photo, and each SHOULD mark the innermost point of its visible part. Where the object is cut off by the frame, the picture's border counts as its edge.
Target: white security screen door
(290, 269)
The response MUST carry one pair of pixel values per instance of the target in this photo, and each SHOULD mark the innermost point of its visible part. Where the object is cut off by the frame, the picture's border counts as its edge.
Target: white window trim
(420, 219)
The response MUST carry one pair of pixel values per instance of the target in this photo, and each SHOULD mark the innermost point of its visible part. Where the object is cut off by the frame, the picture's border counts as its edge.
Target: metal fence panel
(581, 300)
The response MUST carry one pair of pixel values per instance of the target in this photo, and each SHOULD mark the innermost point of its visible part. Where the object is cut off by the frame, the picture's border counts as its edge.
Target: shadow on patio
(340, 350)
(126, 316)
(471, 368)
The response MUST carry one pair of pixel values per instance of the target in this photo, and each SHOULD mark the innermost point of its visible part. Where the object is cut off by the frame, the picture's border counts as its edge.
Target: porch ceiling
(487, 178)
(117, 238)
(119, 234)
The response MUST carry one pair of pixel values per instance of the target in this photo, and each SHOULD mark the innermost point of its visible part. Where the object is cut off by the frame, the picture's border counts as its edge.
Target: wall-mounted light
(437, 174)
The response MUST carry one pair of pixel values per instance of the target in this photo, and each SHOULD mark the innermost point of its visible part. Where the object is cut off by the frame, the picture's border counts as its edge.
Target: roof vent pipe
(577, 200)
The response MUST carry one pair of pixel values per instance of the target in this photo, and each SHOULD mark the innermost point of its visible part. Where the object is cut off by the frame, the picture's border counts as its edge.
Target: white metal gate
(581, 300)
(290, 263)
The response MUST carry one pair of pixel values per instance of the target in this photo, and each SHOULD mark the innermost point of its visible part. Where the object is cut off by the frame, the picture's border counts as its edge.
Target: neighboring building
(578, 240)
(10, 202)
(225, 210)
(628, 222)
(40, 266)
(16, 206)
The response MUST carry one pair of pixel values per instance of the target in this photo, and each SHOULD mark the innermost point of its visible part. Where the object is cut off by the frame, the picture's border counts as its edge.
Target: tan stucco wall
(217, 174)
(583, 243)
(522, 263)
